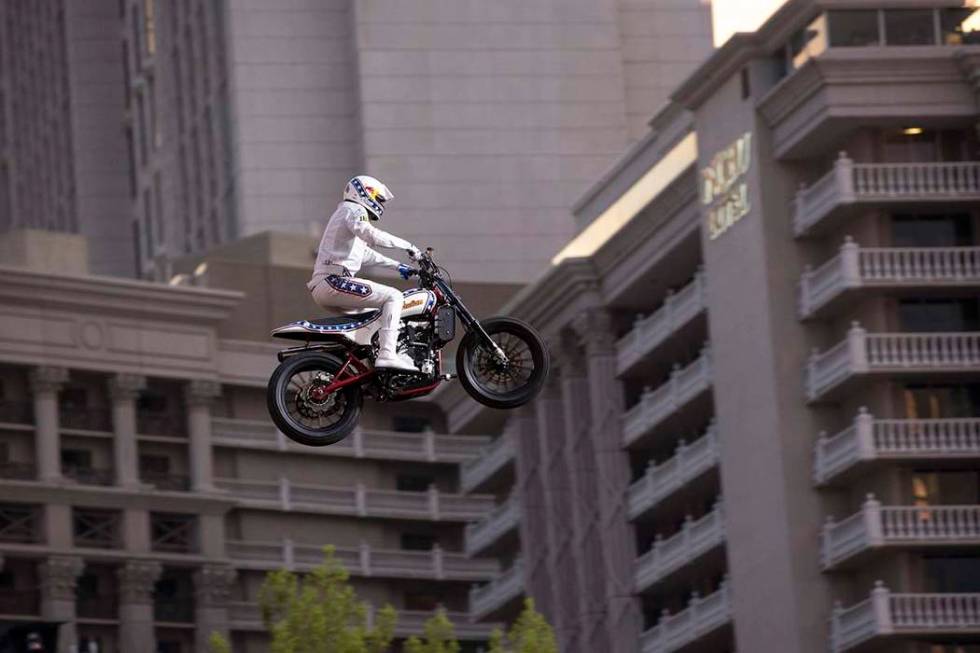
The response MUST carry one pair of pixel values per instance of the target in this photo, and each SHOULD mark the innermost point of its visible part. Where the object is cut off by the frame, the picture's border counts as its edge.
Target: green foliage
(218, 644)
(529, 634)
(320, 613)
(439, 636)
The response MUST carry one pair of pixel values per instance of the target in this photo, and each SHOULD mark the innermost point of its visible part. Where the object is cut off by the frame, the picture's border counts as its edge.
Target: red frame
(362, 372)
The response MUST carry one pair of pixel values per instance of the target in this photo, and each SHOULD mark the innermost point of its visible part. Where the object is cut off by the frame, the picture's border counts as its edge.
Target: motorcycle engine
(416, 342)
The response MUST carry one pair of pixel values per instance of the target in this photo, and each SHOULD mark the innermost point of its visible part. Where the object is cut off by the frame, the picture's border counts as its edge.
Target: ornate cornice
(137, 580)
(47, 379)
(58, 577)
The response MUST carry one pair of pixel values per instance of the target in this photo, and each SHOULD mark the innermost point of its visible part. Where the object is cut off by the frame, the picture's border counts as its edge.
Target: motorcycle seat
(325, 326)
(345, 320)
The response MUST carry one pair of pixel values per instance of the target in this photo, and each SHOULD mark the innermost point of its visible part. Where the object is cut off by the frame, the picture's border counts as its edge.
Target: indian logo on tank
(412, 304)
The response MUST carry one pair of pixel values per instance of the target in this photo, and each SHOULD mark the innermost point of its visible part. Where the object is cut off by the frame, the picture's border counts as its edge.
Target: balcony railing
(176, 610)
(887, 267)
(163, 423)
(494, 525)
(689, 462)
(356, 500)
(918, 615)
(426, 446)
(104, 607)
(850, 183)
(363, 560)
(84, 418)
(16, 412)
(17, 471)
(655, 406)
(863, 353)
(701, 617)
(88, 475)
(491, 460)
(20, 602)
(506, 588)
(695, 538)
(894, 439)
(651, 331)
(166, 481)
(876, 526)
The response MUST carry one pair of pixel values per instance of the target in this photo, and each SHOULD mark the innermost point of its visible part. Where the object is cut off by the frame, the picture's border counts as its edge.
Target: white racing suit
(343, 250)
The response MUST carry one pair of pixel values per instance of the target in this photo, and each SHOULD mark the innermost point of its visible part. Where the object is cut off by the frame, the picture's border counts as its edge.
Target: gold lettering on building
(724, 190)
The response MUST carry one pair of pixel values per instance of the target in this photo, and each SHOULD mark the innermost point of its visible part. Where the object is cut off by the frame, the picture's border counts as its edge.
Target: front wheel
(501, 384)
(303, 410)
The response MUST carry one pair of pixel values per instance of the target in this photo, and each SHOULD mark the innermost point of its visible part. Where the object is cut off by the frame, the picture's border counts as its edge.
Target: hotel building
(762, 429)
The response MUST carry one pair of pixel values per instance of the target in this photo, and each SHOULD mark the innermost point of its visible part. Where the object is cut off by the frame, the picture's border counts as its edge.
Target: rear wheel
(503, 384)
(300, 407)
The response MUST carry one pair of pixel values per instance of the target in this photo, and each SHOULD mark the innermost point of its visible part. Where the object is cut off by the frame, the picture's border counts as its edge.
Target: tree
(439, 634)
(320, 612)
(218, 644)
(531, 633)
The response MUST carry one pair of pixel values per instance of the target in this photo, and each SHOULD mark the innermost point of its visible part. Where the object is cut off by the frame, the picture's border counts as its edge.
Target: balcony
(694, 540)
(690, 462)
(650, 332)
(356, 500)
(857, 267)
(503, 520)
(384, 445)
(17, 471)
(890, 353)
(166, 482)
(852, 185)
(886, 614)
(88, 475)
(492, 460)
(20, 413)
(363, 560)
(869, 439)
(656, 406)
(702, 618)
(499, 593)
(877, 526)
(84, 419)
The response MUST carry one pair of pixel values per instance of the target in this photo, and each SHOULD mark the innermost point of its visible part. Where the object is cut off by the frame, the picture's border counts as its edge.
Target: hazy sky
(730, 16)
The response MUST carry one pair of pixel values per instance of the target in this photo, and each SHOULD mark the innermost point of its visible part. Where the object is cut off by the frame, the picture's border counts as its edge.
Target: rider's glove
(405, 271)
(414, 252)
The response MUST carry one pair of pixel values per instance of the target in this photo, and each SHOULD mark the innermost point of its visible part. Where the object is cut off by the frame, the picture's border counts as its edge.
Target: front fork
(471, 323)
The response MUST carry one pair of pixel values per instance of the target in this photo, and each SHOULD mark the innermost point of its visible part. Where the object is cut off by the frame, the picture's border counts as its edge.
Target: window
(953, 574)
(938, 315)
(942, 230)
(95, 528)
(942, 401)
(150, 26)
(74, 396)
(853, 28)
(809, 42)
(910, 27)
(76, 459)
(175, 533)
(425, 601)
(154, 464)
(413, 483)
(960, 26)
(152, 402)
(950, 488)
(417, 542)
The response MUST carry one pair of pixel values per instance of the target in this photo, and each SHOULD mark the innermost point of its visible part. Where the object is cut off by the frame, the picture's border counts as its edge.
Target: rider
(345, 247)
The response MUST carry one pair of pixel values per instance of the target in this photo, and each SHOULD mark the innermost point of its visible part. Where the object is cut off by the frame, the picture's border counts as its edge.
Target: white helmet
(369, 193)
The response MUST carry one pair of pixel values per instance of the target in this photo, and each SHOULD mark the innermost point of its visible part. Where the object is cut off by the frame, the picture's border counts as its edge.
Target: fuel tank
(417, 301)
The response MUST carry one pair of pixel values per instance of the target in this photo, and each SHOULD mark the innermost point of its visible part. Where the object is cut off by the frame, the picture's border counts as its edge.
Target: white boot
(387, 356)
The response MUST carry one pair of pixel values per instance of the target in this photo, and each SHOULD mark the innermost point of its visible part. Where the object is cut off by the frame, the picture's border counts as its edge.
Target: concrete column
(212, 587)
(45, 384)
(124, 389)
(136, 530)
(211, 531)
(58, 577)
(200, 394)
(623, 616)
(137, 579)
(534, 534)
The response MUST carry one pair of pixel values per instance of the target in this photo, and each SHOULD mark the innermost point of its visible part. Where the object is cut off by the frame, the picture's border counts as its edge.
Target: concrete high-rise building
(762, 431)
(164, 128)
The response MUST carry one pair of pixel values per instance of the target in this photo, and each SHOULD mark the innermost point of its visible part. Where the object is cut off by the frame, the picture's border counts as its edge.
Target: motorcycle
(316, 393)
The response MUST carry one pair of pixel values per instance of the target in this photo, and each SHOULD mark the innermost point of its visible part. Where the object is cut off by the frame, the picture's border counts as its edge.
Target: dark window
(938, 315)
(152, 402)
(425, 601)
(154, 464)
(746, 84)
(945, 488)
(410, 423)
(414, 483)
(942, 401)
(960, 26)
(417, 542)
(851, 28)
(76, 459)
(953, 574)
(74, 397)
(910, 27)
(950, 230)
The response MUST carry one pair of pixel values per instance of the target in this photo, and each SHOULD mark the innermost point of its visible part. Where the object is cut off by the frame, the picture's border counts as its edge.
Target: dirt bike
(315, 394)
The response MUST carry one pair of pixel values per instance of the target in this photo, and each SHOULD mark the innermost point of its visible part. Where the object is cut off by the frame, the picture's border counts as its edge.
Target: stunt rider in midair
(345, 248)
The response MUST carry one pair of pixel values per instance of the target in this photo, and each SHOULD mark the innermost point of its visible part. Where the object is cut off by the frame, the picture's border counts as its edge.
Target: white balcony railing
(247, 616)
(701, 617)
(491, 460)
(884, 267)
(688, 463)
(876, 526)
(862, 353)
(651, 331)
(427, 446)
(356, 500)
(684, 385)
(502, 590)
(668, 555)
(849, 183)
(494, 525)
(363, 560)
(894, 439)
(918, 615)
